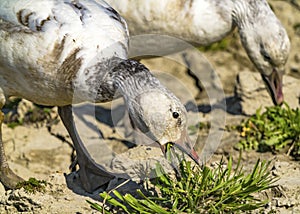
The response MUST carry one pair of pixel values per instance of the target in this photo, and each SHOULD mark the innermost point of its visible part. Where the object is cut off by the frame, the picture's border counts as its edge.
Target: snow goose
(57, 52)
(206, 21)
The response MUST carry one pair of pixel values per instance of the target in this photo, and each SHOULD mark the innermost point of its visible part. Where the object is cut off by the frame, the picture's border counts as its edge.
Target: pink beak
(274, 84)
(185, 145)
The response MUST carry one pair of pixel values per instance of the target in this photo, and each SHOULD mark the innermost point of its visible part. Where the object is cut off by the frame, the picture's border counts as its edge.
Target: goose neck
(241, 13)
(131, 79)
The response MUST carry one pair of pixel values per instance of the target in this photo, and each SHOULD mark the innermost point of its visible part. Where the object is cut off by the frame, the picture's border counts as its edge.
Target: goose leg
(7, 177)
(91, 174)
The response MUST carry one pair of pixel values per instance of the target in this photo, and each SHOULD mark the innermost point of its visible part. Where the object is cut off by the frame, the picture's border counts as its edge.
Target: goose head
(162, 117)
(266, 42)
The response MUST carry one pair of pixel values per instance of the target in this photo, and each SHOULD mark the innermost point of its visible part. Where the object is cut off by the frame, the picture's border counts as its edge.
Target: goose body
(200, 21)
(57, 52)
(206, 21)
(46, 46)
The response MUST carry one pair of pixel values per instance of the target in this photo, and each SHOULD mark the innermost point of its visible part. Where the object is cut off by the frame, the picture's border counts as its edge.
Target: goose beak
(274, 85)
(185, 145)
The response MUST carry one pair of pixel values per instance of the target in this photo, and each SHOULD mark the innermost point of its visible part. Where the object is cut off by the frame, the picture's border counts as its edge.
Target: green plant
(14, 124)
(277, 129)
(197, 189)
(193, 129)
(37, 115)
(221, 45)
(32, 185)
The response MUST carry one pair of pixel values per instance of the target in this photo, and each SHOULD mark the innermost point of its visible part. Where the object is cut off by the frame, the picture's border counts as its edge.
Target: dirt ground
(44, 150)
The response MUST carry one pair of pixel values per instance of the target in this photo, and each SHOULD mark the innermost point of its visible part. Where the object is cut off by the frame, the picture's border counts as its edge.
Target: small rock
(2, 189)
(138, 163)
(23, 107)
(253, 93)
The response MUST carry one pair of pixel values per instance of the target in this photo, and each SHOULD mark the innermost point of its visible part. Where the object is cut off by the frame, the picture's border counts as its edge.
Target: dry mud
(45, 151)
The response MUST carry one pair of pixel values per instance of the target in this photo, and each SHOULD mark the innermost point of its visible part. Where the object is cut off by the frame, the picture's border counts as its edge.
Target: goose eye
(267, 57)
(175, 114)
(264, 53)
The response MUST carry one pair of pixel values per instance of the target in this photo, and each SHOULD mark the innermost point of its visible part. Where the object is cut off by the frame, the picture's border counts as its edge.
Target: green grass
(14, 124)
(221, 45)
(33, 185)
(276, 130)
(221, 189)
(193, 129)
(36, 115)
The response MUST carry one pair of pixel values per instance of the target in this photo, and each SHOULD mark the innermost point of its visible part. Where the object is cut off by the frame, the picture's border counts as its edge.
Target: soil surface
(41, 147)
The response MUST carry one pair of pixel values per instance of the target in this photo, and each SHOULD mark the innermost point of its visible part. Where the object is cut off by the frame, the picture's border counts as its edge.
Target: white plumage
(38, 40)
(198, 21)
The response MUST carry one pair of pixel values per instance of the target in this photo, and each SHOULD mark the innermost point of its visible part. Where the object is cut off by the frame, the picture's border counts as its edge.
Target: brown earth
(44, 150)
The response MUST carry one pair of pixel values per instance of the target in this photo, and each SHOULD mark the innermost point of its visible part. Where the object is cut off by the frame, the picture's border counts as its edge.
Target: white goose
(207, 21)
(57, 52)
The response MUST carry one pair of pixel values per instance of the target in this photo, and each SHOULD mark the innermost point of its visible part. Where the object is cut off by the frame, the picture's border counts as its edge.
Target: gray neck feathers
(239, 13)
(132, 78)
(118, 77)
